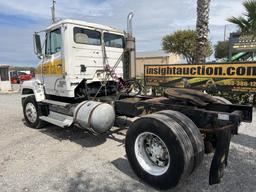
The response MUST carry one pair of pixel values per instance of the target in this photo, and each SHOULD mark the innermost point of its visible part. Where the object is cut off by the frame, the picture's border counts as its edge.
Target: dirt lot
(55, 159)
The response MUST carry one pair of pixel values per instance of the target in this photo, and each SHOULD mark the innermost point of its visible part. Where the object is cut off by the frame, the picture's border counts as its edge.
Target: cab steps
(58, 119)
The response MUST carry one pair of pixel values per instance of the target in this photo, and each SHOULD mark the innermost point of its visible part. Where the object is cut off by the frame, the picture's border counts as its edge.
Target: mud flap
(219, 161)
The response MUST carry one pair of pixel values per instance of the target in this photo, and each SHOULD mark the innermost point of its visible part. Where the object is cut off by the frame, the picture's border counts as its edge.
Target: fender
(33, 87)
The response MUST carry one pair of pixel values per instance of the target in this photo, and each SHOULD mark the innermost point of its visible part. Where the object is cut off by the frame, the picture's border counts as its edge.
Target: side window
(53, 42)
(87, 36)
(113, 40)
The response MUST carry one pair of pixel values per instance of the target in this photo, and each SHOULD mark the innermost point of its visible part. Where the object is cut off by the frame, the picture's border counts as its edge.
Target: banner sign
(240, 42)
(218, 76)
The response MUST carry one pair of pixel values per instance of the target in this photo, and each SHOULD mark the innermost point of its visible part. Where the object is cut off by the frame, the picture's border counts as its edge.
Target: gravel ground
(55, 159)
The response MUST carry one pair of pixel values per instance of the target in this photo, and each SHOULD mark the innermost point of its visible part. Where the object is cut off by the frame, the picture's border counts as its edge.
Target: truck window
(113, 40)
(53, 42)
(87, 36)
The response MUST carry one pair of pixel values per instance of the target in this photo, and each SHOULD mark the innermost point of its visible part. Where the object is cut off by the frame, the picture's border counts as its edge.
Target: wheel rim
(152, 153)
(31, 112)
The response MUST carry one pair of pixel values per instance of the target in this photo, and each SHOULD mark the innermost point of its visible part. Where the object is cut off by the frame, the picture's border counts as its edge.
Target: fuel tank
(95, 116)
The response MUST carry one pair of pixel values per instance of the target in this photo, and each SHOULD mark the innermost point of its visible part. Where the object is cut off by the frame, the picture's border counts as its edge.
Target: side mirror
(37, 45)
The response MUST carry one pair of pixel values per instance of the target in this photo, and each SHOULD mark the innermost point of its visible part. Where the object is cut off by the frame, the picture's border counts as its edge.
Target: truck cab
(74, 56)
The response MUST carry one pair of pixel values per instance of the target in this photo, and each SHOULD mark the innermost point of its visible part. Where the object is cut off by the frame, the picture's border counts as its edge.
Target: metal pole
(225, 31)
(53, 11)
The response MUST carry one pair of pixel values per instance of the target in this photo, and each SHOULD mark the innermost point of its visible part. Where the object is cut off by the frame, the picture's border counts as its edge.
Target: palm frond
(250, 7)
(238, 21)
(247, 22)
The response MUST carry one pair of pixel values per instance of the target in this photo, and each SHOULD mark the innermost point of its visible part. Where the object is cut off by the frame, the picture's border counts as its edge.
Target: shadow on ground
(82, 136)
(87, 181)
(123, 165)
(245, 140)
(238, 176)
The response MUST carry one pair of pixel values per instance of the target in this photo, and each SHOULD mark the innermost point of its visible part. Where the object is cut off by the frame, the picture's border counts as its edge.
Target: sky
(153, 19)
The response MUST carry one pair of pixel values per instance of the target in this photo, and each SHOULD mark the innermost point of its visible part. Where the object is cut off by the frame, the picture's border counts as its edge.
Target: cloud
(153, 19)
(17, 46)
(66, 8)
(221, 10)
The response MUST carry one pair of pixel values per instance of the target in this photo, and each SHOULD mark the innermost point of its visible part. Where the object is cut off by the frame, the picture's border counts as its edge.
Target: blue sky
(153, 19)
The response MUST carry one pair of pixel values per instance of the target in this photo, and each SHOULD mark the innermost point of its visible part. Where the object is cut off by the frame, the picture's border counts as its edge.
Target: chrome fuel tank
(95, 116)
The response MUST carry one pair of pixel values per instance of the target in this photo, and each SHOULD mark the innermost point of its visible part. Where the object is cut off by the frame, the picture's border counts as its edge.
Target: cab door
(52, 66)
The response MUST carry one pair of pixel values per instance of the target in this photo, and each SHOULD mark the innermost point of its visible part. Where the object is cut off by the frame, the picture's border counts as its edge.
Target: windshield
(53, 42)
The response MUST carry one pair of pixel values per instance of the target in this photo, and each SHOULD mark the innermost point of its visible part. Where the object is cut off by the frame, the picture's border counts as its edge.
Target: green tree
(221, 49)
(202, 30)
(183, 42)
(247, 22)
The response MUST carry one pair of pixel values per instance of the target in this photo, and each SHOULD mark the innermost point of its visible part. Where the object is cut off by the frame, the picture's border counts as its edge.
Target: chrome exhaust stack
(130, 48)
(129, 24)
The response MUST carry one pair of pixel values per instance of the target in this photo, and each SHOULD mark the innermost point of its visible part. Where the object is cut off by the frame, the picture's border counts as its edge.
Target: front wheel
(31, 112)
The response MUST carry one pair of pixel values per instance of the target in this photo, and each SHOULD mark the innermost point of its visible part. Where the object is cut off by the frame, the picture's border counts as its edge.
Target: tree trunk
(202, 29)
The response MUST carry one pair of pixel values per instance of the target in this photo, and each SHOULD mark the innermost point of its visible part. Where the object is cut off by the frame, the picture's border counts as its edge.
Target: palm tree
(247, 22)
(202, 29)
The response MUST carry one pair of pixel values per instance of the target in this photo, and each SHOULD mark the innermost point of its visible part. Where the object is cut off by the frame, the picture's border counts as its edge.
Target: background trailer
(5, 81)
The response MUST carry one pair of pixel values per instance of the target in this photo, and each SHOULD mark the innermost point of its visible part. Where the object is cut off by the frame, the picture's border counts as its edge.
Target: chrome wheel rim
(152, 153)
(31, 112)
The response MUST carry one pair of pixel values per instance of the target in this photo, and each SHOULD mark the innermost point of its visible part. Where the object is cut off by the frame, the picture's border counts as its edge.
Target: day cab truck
(167, 136)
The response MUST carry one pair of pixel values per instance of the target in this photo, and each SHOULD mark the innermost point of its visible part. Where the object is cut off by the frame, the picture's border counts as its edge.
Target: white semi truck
(82, 67)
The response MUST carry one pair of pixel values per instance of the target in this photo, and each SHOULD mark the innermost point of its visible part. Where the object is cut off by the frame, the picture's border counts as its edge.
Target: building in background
(5, 79)
(154, 57)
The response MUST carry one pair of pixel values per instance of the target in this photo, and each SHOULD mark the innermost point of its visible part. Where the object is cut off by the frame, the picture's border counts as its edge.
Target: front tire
(31, 113)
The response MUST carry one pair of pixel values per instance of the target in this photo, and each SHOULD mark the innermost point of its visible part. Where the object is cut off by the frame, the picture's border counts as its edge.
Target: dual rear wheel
(163, 148)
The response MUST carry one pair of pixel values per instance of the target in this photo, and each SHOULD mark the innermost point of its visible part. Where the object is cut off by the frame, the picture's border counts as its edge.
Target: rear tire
(172, 138)
(31, 113)
(192, 131)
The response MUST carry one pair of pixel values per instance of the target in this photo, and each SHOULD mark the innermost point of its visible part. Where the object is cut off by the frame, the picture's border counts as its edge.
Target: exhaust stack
(131, 48)
(129, 24)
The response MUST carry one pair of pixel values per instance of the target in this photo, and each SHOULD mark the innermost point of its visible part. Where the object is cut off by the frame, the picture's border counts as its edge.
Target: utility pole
(225, 31)
(53, 11)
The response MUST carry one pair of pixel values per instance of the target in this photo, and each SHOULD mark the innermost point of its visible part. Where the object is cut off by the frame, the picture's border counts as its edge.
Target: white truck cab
(80, 63)
(74, 51)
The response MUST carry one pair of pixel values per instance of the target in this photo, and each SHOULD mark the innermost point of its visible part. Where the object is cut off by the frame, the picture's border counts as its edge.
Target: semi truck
(77, 83)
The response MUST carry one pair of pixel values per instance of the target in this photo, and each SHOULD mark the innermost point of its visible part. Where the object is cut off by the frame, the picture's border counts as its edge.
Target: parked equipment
(75, 85)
